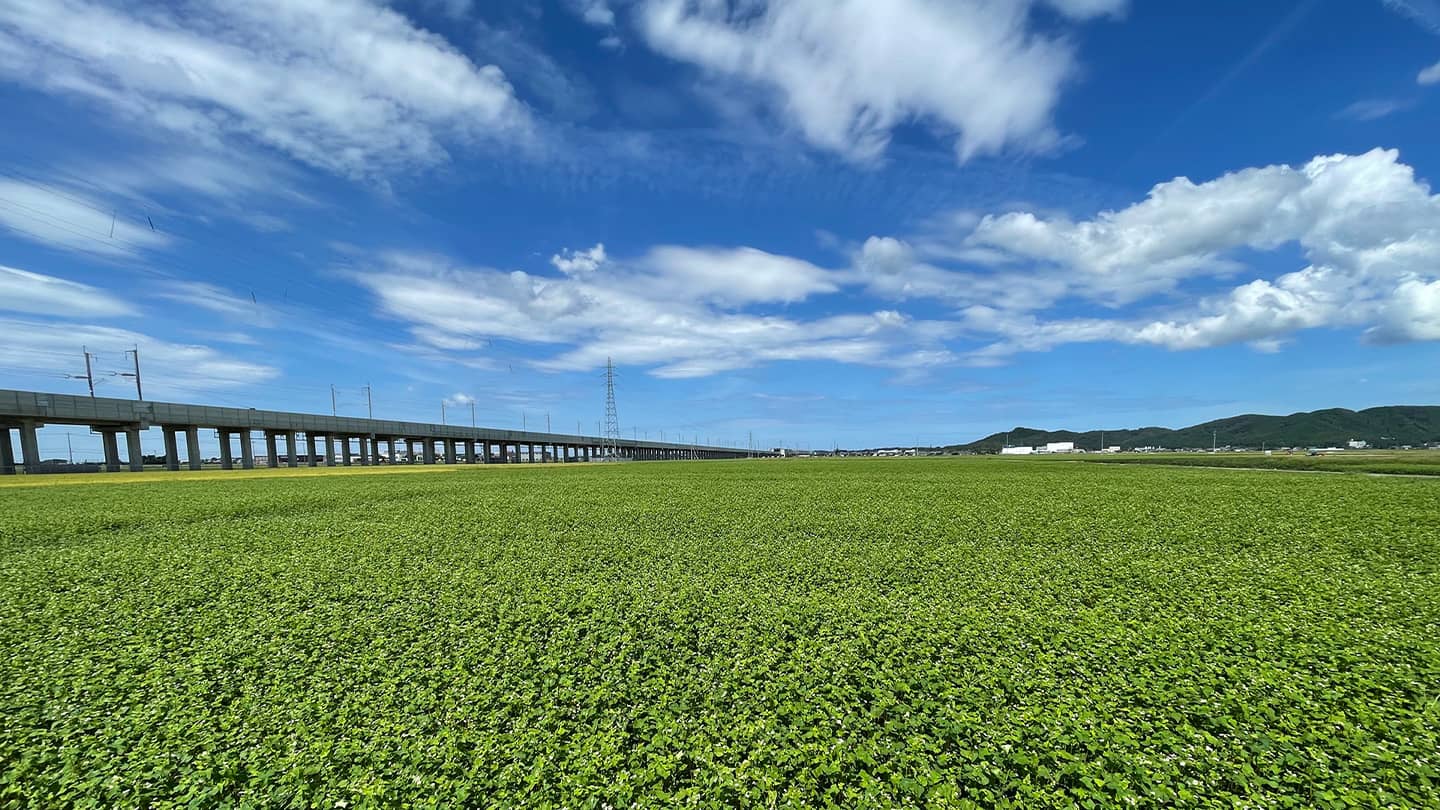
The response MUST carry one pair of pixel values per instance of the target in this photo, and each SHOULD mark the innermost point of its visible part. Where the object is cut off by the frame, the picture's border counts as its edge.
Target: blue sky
(809, 221)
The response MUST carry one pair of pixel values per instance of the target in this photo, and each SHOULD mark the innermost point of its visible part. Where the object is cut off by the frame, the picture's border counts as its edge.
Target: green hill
(1387, 426)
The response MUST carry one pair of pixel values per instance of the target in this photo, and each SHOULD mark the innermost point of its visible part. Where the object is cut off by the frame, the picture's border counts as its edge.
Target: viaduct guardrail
(345, 439)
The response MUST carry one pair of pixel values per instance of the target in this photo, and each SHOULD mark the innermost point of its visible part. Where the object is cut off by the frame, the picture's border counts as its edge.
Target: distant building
(1016, 451)
(1059, 447)
(1357, 444)
(1114, 448)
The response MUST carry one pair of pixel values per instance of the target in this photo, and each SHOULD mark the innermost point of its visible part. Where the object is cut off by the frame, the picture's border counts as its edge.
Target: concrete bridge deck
(341, 436)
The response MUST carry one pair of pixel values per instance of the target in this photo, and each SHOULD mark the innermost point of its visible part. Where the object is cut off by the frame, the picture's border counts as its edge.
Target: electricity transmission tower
(610, 442)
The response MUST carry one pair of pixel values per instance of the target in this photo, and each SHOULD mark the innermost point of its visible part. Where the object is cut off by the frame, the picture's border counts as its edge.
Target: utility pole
(547, 421)
(524, 425)
(333, 412)
(135, 353)
(68, 449)
(442, 413)
(1214, 441)
(369, 406)
(472, 413)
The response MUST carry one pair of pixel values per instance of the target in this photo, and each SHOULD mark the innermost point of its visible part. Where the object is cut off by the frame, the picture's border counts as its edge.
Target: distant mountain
(1387, 426)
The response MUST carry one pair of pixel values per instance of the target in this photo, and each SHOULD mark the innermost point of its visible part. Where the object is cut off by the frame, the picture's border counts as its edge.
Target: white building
(1016, 451)
(1357, 444)
(1059, 447)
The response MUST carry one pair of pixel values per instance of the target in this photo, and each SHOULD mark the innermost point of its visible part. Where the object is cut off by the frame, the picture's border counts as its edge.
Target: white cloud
(1367, 228)
(36, 294)
(458, 399)
(892, 269)
(1262, 310)
(1412, 313)
(1360, 212)
(1192, 266)
(1430, 75)
(594, 12)
(68, 219)
(345, 85)
(171, 369)
(674, 310)
(846, 73)
(579, 262)
(736, 275)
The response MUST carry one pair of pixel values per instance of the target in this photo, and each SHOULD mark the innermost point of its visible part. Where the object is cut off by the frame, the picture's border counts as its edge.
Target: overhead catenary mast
(89, 376)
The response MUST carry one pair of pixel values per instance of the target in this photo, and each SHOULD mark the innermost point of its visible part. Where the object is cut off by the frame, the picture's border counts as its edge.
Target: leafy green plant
(922, 633)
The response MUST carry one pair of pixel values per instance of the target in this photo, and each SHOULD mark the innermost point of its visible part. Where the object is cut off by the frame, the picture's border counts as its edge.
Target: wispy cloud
(69, 219)
(1424, 12)
(1374, 108)
(349, 86)
(48, 348)
(36, 294)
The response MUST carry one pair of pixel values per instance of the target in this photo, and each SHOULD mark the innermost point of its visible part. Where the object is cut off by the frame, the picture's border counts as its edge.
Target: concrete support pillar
(30, 446)
(329, 450)
(192, 447)
(310, 453)
(449, 451)
(364, 451)
(226, 461)
(247, 451)
(172, 451)
(7, 452)
(469, 451)
(272, 455)
(344, 448)
(394, 459)
(292, 450)
(427, 451)
(112, 450)
(133, 451)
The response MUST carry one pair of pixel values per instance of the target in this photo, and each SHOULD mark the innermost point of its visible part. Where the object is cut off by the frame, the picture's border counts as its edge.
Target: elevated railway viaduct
(329, 440)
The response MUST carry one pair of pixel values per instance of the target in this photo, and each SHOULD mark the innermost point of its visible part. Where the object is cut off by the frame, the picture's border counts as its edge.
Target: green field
(857, 633)
(1378, 462)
